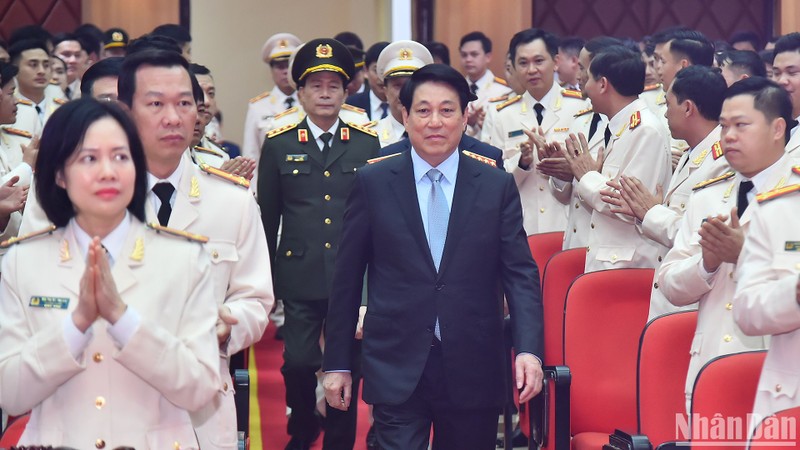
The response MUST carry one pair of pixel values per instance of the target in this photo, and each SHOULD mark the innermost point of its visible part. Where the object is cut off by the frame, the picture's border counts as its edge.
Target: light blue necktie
(438, 218)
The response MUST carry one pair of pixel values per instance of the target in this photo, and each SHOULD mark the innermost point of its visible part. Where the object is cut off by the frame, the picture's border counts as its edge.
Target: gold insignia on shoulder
(324, 51)
(18, 132)
(652, 87)
(571, 93)
(508, 102)
(63, 252)
(363, 129)
(207, 150)
(499, 80)
(370, 124)
(701, 157)
(258, 97)
(775, 193)
(584, 111)
(138, 250)
(280, 130)
(353, 108)
(345, 134)
(711, 181)
(291, 110)
(501, 98)
(235, 179)
(22, 101)
(636, 120)
(661, 99)
(158, 228)
(60, 101)
(481, 158)
(796, 169)
(381, 158)
(717, 151)
(194, 190)
(16, 240)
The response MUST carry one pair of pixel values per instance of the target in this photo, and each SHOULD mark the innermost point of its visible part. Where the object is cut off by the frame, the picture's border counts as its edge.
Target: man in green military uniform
(304, 177)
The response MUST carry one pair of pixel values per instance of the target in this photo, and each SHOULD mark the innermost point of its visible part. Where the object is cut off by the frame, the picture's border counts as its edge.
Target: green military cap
(322, 55)
(115, 38)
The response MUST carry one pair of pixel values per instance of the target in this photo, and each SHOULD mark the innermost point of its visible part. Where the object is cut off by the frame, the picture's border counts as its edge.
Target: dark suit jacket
(467, 143)
(362, 101)
(485, 254)
(308, 191)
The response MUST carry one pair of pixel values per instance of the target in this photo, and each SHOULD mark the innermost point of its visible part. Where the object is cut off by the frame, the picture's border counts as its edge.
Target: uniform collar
(623, 117)
(448, 167)
(113, 242)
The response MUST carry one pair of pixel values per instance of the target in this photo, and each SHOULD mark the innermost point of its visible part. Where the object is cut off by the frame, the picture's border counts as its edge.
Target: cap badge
(405, 54)
(324, 51)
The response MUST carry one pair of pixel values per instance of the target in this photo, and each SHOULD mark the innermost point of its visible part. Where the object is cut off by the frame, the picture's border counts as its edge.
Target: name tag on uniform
(791, 246)
(49, 302)
(297, 158)
(515, 133)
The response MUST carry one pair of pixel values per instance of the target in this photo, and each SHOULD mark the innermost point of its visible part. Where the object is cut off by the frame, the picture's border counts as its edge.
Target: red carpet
(268, 418)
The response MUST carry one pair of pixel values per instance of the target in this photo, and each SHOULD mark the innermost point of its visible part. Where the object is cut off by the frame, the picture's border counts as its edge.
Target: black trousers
(408, 426)
(302, 358)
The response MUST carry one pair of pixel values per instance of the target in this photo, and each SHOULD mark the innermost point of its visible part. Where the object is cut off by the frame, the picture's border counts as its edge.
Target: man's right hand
(338, 389)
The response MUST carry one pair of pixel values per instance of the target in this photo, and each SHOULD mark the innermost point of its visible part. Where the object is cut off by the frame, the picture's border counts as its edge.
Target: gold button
(327, 197)
(99, 402)
(326, 173)
(541, 188)
(778, 388)
(97, 357)
(577, 206)
(215, 254)
(683, 205)
(541, 210)
(288, 253)
(295, 172)
(100, 443)
(659, 259)
(225, 387)
(327, 245)
(327, 221)
(613, 257)
(655, 285)
(727, 338)
(592, 225)
(729, 306)
(176, 445)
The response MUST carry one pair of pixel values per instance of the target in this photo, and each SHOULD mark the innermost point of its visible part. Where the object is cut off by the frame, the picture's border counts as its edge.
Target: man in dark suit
(305, 174)
(373, 99)
(441, 234)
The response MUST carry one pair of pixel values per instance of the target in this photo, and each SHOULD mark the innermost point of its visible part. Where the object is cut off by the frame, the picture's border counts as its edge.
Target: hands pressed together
(98, 293)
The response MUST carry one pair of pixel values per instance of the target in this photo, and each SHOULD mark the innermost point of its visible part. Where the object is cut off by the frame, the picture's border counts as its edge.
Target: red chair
(778, 430)
(605, 315)
(14, 431)
(725, 387)
(543, 246)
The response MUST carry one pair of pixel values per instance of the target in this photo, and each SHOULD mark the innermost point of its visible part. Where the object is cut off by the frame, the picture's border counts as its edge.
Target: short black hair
(486, 43)
(437, 73)
(126, 85)
(530, 35)
(746, 36)
(93, 35)
(178, 33)
(571, 45)
(694, 46)
(668, 34)
(744, 62)
(61, 37)
(768, 97)
(197, 91)
(7, 73)
(16, 49)
(440, 50)
(108, 67)
(788, 43)
(153, 42)
(704, 86)
(30, 32)
(767, 56)
(62, 136)
(373, 52)
(350, 39)
(622, 67)
(199, 69)
(598, 44)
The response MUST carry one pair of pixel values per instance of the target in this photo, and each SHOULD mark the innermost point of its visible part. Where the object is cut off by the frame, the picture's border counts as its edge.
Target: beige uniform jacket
(542, 212)
(208, 152)
(137, 395)
(27, 116)
(11, 165)
(260, 111)
(489, 87)
(387, 129)
(639, 148)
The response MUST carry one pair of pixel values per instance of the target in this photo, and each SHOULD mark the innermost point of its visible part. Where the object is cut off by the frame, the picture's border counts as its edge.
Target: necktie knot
(741, 199)
(289, 102)
(434, 175)
(539, 108)
(474, 88)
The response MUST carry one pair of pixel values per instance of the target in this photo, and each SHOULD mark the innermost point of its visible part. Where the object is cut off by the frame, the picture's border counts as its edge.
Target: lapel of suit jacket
(466, 190)
(405, 188)
(338, 146)
(187, 199)
(551, 113)
(71, 259)
(130, 257)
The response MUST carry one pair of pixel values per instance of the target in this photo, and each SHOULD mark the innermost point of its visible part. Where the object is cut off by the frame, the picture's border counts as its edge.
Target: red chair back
(543, 246)
(778, 430)
(14, 431)
(664, 354)
(726, 385)
(559, 273)
(606, 312)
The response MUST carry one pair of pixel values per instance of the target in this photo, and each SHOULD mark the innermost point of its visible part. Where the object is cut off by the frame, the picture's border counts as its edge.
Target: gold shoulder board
(60, 101)
(25, 237)
(353, 108)
(179, 233)
(258, 97)
(370, 124)
(499, 80)
(775, 193)
(508, 102)
(584, 111)
(281, 130)
(363, 129)
(235, 179)
(652, 87)
(22, 101)
(291, 110)
(707, 183)
(206, 150)
(571, 93)
(18, 132)
(381, 158)
(501, 98)
(481, 158)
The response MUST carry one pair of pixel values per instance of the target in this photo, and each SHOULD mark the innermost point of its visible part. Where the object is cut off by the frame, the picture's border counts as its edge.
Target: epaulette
(60, 101)
(353, 108)
(636, 120)
(291, 110)
(481, 158)
(258, 97)
(571, 93)
(775, 193)
(25, 237)
(54, 83)
(179, 233)
(652, 87)
(584, 111)
(206, 150)
(500, 81)
(18, 132)
(235, 179)
(381, 158)
(501, 98)
(281, 130)
(508, 102)
(796, 169)
(370, 124)
(23, 101)
(363, 129)
(704, 184)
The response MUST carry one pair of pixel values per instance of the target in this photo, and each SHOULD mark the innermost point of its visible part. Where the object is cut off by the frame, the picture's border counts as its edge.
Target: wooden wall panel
(137, 17)
(55, 15)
